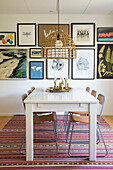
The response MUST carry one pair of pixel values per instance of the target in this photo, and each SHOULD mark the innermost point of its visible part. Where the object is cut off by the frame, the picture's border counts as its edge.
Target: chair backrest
(29, 92)
(88, 89)
(32, 88)
(93, 93)
(24, 96)
(101, 99)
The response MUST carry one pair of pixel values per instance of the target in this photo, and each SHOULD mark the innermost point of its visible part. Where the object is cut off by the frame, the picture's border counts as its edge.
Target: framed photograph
(83, 34)
(58, 68)
(83, 67)
(26, 34)
(46, 29)
(7, 38)
(35, 53)
(105, 61)
(13, 63)
(36, 69)
(105, 34)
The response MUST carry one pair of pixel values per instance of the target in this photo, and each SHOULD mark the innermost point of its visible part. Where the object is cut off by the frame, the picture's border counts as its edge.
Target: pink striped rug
(12, 135)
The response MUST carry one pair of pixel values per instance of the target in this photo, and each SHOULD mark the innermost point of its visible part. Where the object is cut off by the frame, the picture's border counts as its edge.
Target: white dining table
(42, 100)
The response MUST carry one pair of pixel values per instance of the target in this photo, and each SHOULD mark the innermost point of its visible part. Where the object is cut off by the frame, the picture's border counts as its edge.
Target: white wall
(11, 90)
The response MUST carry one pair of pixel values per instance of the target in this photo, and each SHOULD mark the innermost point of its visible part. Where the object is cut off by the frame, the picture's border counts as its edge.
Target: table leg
(92, 131)
(29, 133)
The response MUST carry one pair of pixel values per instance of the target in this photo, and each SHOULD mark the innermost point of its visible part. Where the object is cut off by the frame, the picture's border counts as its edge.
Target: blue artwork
(36, 70)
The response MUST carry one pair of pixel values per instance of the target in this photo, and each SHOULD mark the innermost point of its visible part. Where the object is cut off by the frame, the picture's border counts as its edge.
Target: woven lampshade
(59, 45)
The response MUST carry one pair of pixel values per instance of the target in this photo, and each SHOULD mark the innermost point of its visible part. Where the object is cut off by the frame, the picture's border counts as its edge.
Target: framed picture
(13, 63)
(36, 69)
(83, 34)
(7, 38)
(35, 53)
(105, 61)
(105, 34)
(26, 34)
(83, 67)
(58, 68)
(46, 29)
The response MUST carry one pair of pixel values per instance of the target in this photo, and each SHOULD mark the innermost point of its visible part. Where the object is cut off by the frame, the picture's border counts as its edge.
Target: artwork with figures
(44, 30)
(105, 61)
(36, 69)
(7, 38)
(13, 63)
(83, 65)
(58, 68)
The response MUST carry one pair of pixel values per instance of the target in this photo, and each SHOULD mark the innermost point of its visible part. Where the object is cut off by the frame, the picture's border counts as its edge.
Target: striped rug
(12, 135)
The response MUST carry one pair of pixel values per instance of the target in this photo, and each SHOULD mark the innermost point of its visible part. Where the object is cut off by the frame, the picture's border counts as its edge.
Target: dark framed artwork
(36, 69)
(105, 34)
(26, 34)
(83, 34)
(35, 53)
(83, 67)
(105, 61)
(7, 38)
(58, 68)
(13, 63)
(46, 29)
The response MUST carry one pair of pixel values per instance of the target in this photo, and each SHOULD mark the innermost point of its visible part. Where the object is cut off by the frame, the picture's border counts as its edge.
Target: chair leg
(65, 120)
(103, 141)
(67, 133)
(98, 138)
(56, 137)
(70, 140)
(23, 153)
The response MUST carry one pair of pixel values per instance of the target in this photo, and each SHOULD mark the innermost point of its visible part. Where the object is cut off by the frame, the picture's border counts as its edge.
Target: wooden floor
(5, 119)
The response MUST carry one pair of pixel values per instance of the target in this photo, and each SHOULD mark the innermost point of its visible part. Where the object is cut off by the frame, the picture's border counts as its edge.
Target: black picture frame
(83, 67)
(105, 34)
(83, 34)
(8, 39)
(26, 38)
(35, 53)
(36, 73)
(63, 72)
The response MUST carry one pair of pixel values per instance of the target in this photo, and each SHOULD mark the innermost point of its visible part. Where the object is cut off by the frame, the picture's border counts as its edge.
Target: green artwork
(105, 61)
(13, 63)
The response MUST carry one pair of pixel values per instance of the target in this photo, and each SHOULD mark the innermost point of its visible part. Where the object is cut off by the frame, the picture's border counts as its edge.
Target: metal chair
(93, 93)
(39, 117)
(83, 119)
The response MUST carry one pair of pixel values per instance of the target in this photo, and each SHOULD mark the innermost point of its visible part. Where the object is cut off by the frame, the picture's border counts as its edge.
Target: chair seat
(80, 113)
(44, 118)
(81, 119)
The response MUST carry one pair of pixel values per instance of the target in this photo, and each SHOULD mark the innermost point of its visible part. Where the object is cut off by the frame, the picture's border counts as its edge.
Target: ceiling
(98, 7)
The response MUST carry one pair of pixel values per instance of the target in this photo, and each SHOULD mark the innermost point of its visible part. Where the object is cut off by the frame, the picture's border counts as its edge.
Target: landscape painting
(13, 64)
(105, 61)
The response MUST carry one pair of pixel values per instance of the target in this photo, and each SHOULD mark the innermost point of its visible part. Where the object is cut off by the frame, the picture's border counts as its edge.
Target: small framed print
(7, 38)
(105, 34)
(83, 34)
(58, 68)
(26, 34)
(83, 67)
(36, 70)
(35, 53)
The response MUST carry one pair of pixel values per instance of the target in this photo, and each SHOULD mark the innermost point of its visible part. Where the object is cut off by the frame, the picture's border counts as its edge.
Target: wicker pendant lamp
(59, 45)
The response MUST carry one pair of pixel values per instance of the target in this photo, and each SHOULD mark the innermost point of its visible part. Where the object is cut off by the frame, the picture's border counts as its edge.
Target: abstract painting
(35, 53)
(7, 39)
(26, 34)
(105, 61)
(105, 34)
(58, 68)
(36, 70)
(83, 67)
(13, 63)
(83, 34)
